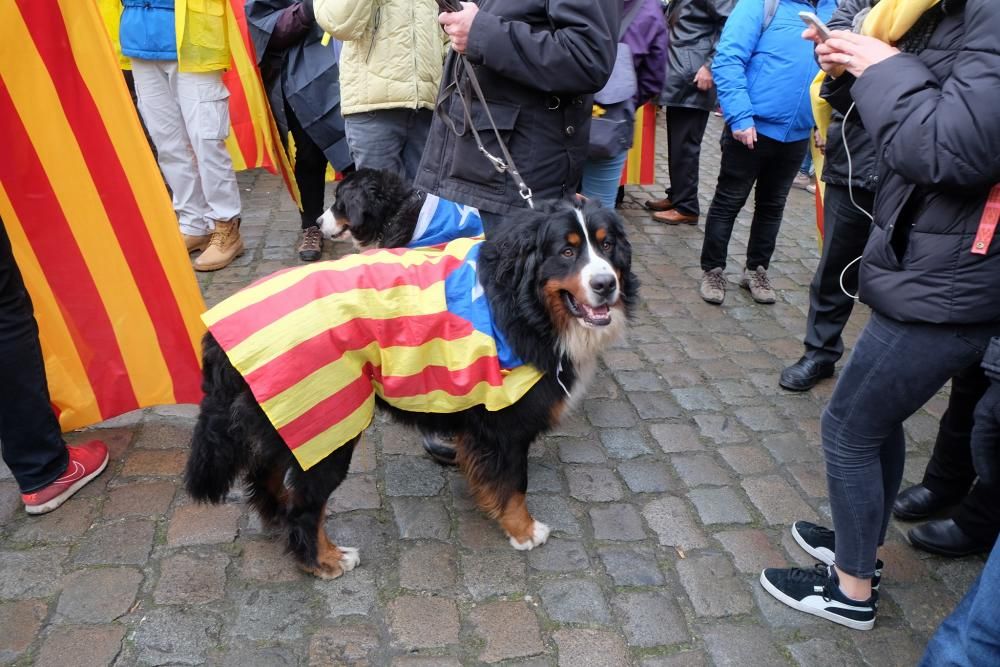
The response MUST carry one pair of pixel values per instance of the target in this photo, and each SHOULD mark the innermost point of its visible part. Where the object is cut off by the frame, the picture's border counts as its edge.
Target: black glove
(985, 443)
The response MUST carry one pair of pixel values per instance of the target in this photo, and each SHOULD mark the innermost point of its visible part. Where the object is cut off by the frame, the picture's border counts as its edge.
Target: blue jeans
(896, 367)
(601, 178)
(390, 139)
(970, 636)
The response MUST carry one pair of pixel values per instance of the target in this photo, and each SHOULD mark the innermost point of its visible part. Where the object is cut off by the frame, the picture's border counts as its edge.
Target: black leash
(503, 164)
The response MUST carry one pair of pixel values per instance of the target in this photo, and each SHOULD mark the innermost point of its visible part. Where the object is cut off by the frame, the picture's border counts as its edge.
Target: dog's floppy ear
(510, 251)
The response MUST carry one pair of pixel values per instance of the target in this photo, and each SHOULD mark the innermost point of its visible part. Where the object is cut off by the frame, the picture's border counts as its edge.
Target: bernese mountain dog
(559, 283)
(373, 207)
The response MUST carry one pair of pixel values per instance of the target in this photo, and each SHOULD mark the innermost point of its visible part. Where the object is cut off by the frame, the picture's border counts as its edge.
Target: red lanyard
(988, 223)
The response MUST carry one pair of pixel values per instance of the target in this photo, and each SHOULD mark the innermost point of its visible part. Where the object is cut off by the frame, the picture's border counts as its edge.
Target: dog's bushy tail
(217, 455)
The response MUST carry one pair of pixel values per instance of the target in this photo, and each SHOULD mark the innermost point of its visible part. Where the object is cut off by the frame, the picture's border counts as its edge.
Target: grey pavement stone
(619, 522)
(267, 561)
(191, 578)
(894, 647)
(246, 656)
(81, 646)
(421, 518)
(163, 435)
(650, 618)
(354, 593)
(559, 555)
(357, 492)
(495, 572)
(544, 477)
(747, 460)
(791, 448)
(97, 595)
(699, 470)
(412, 476)
(344, 645)
(10, 501)
(579, 450)
(741, 646)
(408, 622)
(21, 620)
(69, 523)
(778, 501)
(681, 659)
(676, 437)
(509, 629)
(639, 381)
(428, 567)
(477, 532)
(555, 512)
(696, 399)
(752, 550)
(654, 405)
(203, 524)
(590, 648)
(32, 573)
(593, 483)
(154, 463)
(176, 636)
(623, 443)
(631, 565)
(149, 499)
(811, 478)
(821, 653)
(713, 586)
(609, 414)
(125, 542)
(272, 615)
(719, 505)
(429, 661)
(575, 601)
(364, 533)
(720, 428)
(673, 524)
(923, 605)
(645, 475)
(759, 419)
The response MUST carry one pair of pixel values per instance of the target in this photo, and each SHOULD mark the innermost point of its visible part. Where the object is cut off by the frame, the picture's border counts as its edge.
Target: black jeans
(310, 170)
(685, 130)
(772, 165)
(950, 473)
(845, 233)
(30, 438)
(895, 368)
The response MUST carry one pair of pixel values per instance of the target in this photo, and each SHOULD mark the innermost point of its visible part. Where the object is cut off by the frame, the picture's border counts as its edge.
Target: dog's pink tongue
(599, 312)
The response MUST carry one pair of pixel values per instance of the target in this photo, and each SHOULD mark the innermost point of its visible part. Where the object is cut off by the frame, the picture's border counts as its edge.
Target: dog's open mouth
(598, 316)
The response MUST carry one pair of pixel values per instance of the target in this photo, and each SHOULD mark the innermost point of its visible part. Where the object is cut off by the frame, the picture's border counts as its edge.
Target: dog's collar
(416, 197)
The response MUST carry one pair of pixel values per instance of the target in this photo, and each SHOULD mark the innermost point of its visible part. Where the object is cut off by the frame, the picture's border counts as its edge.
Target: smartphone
(811, 19)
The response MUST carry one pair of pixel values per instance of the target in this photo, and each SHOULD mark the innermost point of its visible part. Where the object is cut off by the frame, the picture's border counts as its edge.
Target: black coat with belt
(695, 28)
(933, 117)
(539, 63)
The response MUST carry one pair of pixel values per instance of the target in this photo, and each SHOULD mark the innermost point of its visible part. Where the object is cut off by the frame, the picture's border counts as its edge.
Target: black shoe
(438, 449)
(919, 502)
(817, 591)
(944, 538)
(804, 374)
(818, 542)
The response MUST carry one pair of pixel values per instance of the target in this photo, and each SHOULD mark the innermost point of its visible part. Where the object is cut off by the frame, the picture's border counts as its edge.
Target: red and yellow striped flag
(642, 156)
(90, 220)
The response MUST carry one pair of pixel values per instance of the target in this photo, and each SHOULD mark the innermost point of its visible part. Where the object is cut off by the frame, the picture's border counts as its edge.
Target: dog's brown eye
(607, 245)
(568, 252)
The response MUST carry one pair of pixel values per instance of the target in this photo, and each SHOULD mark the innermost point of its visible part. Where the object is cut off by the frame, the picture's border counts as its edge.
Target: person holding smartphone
(925, 79)
(763, 76)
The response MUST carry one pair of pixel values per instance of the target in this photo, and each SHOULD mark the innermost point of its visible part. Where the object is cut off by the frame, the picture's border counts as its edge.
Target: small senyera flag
(316, 344)
(90, 221)
(641, 158)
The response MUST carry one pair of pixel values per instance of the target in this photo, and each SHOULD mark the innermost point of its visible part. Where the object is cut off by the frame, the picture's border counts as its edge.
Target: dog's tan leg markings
(525, 533)
(332, 561)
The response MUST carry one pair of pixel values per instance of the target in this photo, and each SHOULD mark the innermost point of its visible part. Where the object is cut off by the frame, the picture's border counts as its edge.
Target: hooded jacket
(932, 116)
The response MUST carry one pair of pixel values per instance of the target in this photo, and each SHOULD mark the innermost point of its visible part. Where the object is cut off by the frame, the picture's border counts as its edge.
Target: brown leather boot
(196, 243)
(225, 246)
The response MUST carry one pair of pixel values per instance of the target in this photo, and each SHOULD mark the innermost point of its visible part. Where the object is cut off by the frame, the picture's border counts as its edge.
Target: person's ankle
(854, 588)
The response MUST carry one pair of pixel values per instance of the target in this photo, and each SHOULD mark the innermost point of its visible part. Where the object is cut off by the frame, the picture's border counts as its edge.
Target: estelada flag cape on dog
(90, 221)
(317, 343)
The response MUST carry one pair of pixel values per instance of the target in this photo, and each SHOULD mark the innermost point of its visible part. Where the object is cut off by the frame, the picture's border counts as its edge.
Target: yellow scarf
(888, 21)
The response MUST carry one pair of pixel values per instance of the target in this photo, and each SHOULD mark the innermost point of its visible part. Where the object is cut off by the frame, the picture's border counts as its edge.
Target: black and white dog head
(374, 207)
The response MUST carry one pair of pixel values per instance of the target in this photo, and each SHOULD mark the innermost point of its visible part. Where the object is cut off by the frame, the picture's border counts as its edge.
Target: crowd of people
(899, 96)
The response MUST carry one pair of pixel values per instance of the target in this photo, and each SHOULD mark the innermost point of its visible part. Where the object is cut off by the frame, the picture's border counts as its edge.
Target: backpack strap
(770, 9)
(629, 17)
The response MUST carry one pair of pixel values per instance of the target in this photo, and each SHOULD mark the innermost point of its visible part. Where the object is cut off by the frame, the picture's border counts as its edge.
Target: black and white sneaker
(818, 542)
(817, 591)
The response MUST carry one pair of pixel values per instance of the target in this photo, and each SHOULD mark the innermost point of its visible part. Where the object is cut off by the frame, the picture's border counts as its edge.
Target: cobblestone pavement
(668, 491)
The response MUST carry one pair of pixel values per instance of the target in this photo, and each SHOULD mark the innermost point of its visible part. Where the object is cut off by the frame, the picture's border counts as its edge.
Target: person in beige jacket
(390, 69)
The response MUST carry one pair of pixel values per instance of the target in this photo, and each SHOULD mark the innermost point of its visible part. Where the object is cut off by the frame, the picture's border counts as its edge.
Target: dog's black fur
(531, 270)
(376, 207)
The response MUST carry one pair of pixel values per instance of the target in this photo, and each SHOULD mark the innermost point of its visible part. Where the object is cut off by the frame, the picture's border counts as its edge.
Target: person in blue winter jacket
(762, 72)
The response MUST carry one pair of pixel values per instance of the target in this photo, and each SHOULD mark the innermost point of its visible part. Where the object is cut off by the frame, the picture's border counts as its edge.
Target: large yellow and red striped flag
(90, 220)
(317, 343)
(641, 158)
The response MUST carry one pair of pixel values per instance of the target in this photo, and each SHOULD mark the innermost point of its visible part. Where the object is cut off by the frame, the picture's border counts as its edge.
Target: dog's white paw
(350, 559)
(539, 533)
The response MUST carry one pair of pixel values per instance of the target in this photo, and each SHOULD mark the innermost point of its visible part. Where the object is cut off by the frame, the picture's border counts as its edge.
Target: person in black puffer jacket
(932, 114)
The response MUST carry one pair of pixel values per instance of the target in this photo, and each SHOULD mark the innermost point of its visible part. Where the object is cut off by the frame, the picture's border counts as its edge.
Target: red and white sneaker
(86, 462)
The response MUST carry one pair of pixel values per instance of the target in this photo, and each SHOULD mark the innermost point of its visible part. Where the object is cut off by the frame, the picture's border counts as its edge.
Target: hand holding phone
(813, 21)
(449, 5)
